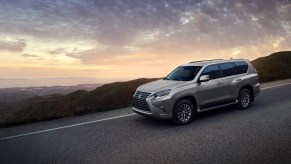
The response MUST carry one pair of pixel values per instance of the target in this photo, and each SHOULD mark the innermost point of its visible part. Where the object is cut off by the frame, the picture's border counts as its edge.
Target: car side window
(227, 69)
(212, 71)
(241, 67)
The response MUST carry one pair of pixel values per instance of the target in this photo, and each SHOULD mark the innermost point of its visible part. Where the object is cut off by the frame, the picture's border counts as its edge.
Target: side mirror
(204, 78)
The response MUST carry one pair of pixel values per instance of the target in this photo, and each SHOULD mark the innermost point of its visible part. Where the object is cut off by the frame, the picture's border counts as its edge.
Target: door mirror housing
(204, 78)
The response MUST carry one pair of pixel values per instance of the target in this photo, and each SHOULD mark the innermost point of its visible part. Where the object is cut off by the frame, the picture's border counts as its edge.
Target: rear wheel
(183, 112)
(244, 99)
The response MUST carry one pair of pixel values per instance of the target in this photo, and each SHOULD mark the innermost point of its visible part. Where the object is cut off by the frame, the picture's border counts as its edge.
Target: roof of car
(214, 61)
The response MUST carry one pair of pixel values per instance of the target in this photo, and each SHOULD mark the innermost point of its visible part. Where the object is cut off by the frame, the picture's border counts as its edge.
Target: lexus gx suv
(198, 86)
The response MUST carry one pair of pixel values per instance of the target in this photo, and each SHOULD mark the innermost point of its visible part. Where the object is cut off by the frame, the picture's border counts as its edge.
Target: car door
(213, 90)
(229, 80)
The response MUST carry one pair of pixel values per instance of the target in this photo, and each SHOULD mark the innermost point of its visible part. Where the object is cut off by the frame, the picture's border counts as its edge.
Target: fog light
(161, 107)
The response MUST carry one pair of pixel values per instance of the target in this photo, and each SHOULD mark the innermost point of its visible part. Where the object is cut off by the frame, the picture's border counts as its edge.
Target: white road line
(94, 121)
(64, 127)
(275, 86)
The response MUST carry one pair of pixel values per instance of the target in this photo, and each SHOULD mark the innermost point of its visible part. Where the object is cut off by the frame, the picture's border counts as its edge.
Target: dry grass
(107, 97)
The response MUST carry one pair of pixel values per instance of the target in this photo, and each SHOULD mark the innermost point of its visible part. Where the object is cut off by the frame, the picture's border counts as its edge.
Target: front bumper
(161, 108)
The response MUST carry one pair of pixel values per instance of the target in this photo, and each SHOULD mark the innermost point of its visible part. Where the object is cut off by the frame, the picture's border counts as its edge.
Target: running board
(218, 106)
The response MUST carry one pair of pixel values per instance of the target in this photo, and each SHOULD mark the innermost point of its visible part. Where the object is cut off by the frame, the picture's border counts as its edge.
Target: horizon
(113, 40)
(53, 82)
(66, 81)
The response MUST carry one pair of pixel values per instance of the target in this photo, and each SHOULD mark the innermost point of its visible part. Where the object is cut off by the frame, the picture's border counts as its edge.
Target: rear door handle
(219, 83)
(238, 79)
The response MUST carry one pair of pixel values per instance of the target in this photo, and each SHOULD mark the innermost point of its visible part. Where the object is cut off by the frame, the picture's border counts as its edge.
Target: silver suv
(198, 86)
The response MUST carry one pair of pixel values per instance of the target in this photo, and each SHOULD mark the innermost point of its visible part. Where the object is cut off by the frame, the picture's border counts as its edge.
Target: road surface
(261, 134)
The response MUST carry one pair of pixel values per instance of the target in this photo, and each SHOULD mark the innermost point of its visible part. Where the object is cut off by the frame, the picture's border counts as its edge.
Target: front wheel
(183, 112)
(244, 99)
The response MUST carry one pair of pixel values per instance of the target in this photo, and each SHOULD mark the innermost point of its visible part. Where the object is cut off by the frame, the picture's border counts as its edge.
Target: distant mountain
(60, 81)
(276, 66)
(24, 93)
(114, 95)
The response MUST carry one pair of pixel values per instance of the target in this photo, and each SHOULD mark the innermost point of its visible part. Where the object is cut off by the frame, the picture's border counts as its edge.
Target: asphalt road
(261, 134)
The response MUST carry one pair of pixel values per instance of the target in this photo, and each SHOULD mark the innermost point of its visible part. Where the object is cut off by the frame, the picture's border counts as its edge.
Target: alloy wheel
(245, 99)
(184, 112)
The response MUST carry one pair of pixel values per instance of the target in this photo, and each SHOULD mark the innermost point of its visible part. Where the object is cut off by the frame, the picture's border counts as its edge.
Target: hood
(160, 85)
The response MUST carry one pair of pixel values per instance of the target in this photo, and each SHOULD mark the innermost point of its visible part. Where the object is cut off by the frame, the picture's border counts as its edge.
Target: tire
(183, 112)
(244, 99)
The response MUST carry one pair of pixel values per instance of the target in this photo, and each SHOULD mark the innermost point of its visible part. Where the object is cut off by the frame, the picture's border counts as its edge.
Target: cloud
(236, 51)
(12, 45)
(57, 51)
(29, 55)
(97, 55)
(127, 28)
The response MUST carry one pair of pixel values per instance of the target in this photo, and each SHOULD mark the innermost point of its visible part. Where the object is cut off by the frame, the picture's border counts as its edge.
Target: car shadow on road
(216, 112)
(150, 121)
(159, 123)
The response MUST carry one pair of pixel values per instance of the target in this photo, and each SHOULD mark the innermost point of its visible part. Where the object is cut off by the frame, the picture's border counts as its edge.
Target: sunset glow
(118, 40)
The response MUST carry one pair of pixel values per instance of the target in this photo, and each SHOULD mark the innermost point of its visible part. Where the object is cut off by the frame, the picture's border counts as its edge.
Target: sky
(111, 40)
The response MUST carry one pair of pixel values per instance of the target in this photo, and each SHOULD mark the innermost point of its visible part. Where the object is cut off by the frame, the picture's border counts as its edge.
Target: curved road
(261, 134)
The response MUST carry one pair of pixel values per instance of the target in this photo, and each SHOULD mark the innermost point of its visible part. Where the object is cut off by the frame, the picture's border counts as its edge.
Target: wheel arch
(191, 98)
(250, 88)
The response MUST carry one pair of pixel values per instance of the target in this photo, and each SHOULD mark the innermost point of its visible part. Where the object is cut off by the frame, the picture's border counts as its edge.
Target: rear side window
(241, 67)
(227, 69)
(212, 71)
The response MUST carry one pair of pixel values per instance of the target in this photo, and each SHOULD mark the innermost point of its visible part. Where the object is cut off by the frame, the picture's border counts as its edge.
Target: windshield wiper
(166, 78)
(177, 79)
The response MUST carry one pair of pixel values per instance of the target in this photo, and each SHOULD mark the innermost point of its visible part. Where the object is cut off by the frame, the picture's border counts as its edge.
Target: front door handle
(238, 79)
(219, 83)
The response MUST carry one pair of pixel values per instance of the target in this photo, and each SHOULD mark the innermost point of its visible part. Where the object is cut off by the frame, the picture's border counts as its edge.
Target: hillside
(107, 97)
(114, 95)
(276, 66)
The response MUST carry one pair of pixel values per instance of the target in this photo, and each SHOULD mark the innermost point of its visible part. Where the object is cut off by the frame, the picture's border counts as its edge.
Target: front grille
(139, 100)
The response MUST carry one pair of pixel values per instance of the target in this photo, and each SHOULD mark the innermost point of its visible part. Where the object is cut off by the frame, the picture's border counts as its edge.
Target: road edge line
(275, 86)
(67, 126)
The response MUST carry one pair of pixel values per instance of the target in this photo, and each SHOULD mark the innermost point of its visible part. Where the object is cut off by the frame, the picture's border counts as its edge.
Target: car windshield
(183, 73)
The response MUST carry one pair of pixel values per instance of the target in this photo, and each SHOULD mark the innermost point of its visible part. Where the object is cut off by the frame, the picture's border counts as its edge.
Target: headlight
(134, 93)
(161, 94)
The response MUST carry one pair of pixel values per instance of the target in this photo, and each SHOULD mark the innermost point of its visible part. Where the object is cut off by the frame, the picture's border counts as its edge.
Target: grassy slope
(274, 67)
(107, 97)
(116, 95)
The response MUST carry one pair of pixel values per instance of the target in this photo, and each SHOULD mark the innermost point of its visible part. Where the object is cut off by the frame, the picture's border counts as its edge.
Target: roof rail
(205, 60)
